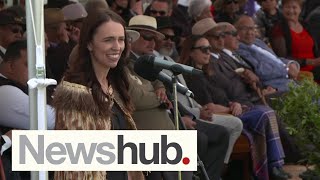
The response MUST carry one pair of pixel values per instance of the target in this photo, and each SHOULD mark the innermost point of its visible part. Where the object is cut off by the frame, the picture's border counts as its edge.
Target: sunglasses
(16, 30)
(247, 28)
(232, 33)
(167, 37)
(231, 1)
(203, 49)
(148, 37)
(217, 36)
(162, 13)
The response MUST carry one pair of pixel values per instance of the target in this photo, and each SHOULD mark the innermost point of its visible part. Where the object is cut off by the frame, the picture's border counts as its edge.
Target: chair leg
(246, 168)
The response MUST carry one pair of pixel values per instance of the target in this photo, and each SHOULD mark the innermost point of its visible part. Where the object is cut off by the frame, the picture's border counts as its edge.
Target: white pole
(38, 77)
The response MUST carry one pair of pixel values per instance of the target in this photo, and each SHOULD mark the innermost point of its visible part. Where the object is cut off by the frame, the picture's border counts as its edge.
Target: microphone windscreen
(144, 68)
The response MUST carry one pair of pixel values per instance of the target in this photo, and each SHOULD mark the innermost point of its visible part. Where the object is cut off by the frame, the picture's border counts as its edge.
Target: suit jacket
(147, 115)
(269, 72)
(226, 76)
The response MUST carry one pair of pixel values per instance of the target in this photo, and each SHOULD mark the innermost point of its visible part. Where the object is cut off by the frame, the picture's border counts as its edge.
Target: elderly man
(160, 8)
(11, 29)
(14, 100)
(271, 70)
(200, 9)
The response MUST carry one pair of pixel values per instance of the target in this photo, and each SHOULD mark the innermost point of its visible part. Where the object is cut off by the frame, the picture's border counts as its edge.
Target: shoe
(277, 173)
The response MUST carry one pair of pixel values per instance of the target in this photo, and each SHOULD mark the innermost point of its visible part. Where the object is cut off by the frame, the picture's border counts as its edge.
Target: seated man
(205, 119)
(14, 99)
(271, 70)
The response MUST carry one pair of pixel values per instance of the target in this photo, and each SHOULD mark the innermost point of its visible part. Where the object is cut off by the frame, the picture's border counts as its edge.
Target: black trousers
(213, 141)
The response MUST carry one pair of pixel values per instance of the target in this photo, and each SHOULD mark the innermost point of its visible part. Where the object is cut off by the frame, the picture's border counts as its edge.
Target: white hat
(142, 22)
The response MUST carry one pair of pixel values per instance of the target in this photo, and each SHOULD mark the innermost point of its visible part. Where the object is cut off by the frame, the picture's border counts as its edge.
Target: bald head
(247, 29)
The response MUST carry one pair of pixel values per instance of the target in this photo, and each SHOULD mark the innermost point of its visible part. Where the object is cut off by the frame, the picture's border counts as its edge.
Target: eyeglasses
(203, 49)
(247, 28)
(162, 13)
(232, 33)
(148, 37)
(231, 1)
(167, 37)
(217, 36)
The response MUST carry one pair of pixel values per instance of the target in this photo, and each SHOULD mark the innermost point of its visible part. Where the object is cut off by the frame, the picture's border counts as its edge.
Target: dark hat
(165, 22)
(9, 17)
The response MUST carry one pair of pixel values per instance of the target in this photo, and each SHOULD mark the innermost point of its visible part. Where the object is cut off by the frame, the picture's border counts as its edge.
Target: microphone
(145, 70)
(180, 87)
(176, 68)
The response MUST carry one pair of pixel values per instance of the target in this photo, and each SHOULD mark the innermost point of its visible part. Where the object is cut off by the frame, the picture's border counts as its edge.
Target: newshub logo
(104, 150)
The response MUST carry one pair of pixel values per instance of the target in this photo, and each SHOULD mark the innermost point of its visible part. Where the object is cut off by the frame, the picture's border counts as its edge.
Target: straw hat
(203, 26)
(134, 35)
(74, 11)
(147, 23)
(53, 16)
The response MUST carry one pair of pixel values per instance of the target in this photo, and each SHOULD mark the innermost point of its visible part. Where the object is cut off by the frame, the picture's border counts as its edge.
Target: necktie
(240, 60)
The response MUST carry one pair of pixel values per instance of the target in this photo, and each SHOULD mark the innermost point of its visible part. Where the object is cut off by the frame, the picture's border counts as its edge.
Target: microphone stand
(175, 72)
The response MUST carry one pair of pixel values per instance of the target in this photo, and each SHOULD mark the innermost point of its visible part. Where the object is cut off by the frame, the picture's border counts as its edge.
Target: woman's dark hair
(81, 70)
(185, 58)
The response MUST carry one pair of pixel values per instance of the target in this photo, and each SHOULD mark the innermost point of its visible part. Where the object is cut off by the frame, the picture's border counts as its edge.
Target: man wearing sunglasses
(159, 8)
(227, 10)
(167, 46)
(11, 29)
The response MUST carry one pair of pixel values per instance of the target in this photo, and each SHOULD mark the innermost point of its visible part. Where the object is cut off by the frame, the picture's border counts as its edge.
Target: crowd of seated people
(91, 51)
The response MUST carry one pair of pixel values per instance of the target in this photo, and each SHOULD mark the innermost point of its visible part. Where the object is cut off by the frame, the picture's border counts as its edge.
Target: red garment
(302, 47)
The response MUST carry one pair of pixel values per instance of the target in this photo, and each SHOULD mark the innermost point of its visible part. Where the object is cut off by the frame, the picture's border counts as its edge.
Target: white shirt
(217, 56)
(14, 108)
(227, 51)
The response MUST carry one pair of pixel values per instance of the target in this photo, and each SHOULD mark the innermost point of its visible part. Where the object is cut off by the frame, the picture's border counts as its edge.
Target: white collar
(216, 55)
(3, 49)
(3, 76)
(227, 51)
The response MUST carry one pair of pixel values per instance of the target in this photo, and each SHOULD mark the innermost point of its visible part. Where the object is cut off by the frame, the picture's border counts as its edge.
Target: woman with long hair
(93, 94)
(259, 122)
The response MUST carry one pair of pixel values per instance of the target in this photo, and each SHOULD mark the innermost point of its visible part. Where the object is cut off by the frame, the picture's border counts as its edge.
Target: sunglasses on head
(232, 33)
(148, 37)
(203, 49)
(231, 1)
(162, 13)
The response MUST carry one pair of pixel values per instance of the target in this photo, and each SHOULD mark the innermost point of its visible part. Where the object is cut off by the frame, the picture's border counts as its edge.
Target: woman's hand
(161, 94)
(206, 113)
(188, 122)
(235, 108)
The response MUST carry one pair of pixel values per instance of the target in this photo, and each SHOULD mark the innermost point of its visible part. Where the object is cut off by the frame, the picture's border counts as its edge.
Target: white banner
(123, 150)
